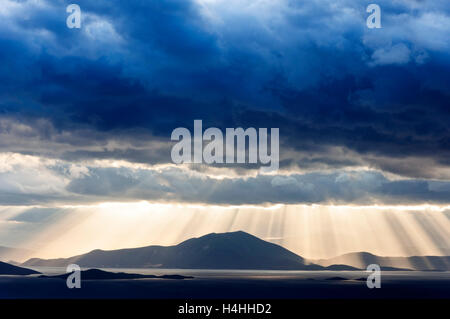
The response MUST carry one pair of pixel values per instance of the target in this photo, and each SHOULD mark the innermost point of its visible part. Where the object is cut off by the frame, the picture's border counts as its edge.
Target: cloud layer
(66, 183)
(345, 97)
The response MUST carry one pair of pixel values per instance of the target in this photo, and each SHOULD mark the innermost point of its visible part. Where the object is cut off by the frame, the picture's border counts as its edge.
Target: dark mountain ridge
(234, 250)
(8, 269)
(98, 274)
(363, 259)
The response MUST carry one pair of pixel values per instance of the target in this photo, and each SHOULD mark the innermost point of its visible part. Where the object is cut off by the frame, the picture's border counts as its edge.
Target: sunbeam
(312, 231)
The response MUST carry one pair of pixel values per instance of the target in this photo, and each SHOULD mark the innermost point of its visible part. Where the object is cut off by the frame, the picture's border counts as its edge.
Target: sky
(363, 114)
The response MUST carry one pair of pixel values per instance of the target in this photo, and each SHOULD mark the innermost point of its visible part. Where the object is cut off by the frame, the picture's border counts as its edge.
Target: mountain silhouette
(363, 259)
(7, 269)
(97, 274)
(233, 250)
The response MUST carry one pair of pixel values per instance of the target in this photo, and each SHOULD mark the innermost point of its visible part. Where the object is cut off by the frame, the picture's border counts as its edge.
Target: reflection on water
(284, 274)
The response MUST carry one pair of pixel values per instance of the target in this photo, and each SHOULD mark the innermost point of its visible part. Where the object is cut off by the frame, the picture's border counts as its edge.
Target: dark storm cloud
(310, 68)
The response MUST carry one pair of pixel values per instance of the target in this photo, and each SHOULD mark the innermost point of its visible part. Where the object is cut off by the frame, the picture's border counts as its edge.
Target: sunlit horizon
(311, 231)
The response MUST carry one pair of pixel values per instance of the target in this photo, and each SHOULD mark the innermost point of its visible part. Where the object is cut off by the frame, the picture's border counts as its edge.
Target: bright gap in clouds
(312, 231)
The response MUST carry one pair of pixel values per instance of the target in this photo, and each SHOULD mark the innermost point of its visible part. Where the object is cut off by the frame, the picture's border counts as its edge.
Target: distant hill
(7, 269)
(18, 254)
(97, 274)
(234, 250)
(363, 259)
